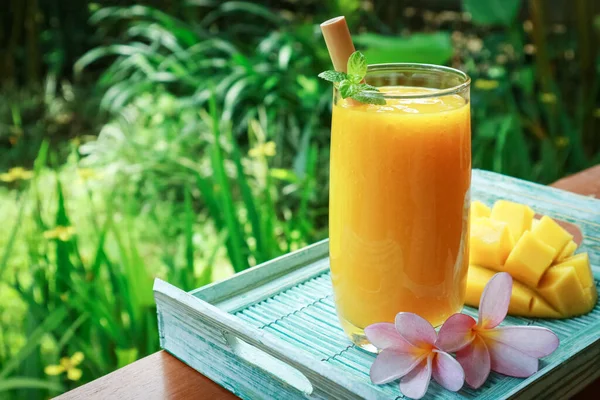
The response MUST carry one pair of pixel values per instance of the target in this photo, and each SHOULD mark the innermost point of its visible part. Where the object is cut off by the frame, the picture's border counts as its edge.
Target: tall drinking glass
(399, 197)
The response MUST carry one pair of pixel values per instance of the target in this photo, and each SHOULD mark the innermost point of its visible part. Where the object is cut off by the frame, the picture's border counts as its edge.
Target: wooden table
(162, 376)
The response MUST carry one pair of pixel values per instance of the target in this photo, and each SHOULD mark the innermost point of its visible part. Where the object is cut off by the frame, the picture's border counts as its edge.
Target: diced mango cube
(541, 309)
(581, 263)
(490, 243)
(534, 222)
(567, 251)
(477, 278)
(551, 233)
(517, 216)
(529, 259)
(591, 296)
(479, 210)
(523, 301)
(561, 287)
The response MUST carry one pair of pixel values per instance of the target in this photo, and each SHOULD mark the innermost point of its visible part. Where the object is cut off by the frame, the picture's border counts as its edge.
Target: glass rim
(426, 68)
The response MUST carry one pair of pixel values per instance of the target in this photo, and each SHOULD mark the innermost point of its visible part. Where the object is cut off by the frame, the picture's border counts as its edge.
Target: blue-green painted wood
(285, 308)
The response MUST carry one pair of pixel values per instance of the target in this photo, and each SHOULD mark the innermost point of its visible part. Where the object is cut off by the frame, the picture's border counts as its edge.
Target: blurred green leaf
(492, 12)
(11, 240)
(116, 50)
(16, 383)
(188, 272)
(52, 321)
(126, 356)
(432, 48)
(238, 246)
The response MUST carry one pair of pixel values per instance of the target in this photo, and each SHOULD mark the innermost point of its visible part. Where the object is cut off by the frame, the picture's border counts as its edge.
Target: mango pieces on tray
(549, 280)
(524, 301)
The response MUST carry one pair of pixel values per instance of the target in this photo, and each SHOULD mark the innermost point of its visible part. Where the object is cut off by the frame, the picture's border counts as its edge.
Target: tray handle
(269, 364)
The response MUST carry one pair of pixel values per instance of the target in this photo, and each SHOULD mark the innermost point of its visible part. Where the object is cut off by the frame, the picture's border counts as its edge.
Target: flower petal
(447, 371)
(475, 360)
(456, 333)
(384, 335)
(495, 298)
(74, 374)
(534, 341)
(416, 382)
(53, 370)
(509, 361)
(392, 364)
(77, 358)
(415, 329)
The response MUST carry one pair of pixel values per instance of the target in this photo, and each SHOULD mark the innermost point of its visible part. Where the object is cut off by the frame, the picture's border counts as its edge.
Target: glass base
(357, 336)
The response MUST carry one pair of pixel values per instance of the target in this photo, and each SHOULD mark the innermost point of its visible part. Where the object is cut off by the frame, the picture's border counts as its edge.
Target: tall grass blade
(40, 160)
(64, 266)
(238, 247)
(11, 240)
(249, 200)
(189, 240)
(17, 383)
(52, 321)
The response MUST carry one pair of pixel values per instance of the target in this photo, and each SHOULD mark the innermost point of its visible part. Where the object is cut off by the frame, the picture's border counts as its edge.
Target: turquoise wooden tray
(271, 332)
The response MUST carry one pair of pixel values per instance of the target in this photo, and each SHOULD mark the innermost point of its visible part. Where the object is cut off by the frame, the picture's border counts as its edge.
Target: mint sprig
(350, 84)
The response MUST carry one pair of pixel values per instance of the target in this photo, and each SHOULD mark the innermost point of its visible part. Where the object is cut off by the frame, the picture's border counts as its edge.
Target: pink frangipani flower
(409, 351)
(481, 346)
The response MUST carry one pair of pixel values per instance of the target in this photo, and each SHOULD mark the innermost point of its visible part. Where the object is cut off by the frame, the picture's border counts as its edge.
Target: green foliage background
(190, 140)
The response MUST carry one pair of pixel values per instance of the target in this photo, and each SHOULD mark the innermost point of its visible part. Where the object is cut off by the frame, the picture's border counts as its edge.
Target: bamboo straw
(338, 41)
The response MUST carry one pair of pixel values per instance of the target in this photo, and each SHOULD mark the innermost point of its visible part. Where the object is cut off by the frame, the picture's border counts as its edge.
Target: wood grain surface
(585, 182)
(156, 377)
(162, 376)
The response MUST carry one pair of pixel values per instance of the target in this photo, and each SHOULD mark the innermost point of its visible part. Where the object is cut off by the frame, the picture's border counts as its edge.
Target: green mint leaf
(355, 78)
(351, 84)
(366, 86)
(348, 88)
(333, 76)
(369, 97)
(357, 65)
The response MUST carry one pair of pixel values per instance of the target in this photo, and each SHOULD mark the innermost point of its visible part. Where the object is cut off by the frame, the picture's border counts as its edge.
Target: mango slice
(591, 296)
(561, 288)
(518, 217)
(490, 243)
(479, 210)
(549, 279)
(529, 259)
(581, 263)
(540, 309)
(523, 301)
(551, 233)
(567, 251)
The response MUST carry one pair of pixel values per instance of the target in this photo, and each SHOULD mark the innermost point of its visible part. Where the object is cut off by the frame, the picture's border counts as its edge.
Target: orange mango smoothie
(399, 199)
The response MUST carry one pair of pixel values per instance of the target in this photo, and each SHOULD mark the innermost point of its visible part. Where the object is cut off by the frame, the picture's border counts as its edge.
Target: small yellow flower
(87, 174)
(67, 365)
(548, 98)
(267, 149)
(486, 84)
(562, 142)
(64, 118)
(15, 174)
(62, 233)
